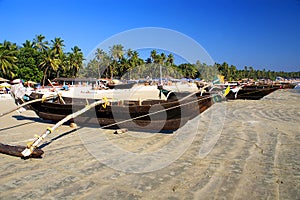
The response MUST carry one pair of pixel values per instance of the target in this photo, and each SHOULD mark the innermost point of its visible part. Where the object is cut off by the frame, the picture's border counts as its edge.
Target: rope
(146, 115)
(32, 145)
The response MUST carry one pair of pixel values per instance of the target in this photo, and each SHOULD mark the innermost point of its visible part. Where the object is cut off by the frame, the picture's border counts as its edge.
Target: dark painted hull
(164, 115)
(251, 92)
(120, 86)
(288, 85)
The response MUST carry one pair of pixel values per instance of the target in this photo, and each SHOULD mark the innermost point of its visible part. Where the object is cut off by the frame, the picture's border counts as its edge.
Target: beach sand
(257, 156)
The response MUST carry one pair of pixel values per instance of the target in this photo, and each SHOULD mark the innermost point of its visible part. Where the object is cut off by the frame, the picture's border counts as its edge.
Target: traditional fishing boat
(252, 92)
(147, 115)
(119, 85)
(287, 85)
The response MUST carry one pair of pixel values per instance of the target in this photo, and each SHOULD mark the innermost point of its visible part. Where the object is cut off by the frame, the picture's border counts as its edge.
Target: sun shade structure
(3, 80)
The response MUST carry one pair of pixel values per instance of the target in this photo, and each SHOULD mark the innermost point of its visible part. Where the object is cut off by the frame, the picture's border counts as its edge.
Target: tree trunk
(45, 74)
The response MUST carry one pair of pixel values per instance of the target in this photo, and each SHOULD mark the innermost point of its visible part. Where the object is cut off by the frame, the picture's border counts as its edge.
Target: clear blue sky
(258, 33)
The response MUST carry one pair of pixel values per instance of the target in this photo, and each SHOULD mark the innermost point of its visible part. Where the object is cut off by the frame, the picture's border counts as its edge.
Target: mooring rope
(159, 111)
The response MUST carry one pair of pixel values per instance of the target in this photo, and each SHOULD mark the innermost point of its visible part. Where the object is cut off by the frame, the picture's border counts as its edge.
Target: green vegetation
(39, 60)
(127, 64)
(232, 73)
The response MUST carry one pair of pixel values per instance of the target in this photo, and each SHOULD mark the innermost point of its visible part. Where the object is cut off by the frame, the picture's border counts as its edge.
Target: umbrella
(4, 85)
(3, 80)
(31, 82)
(17, 81)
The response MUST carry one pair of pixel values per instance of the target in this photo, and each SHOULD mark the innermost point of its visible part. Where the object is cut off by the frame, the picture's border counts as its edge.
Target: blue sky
(257, 33)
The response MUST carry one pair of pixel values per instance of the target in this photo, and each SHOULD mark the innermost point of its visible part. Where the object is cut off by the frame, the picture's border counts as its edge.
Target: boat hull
(149, 115)
(251, 93)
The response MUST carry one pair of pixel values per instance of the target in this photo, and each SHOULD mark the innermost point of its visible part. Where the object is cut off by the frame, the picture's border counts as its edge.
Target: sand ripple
(256, 157)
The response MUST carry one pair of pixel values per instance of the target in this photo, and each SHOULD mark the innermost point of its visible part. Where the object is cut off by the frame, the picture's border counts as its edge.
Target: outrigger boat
(147, 115)
(155, 115)
(252, 92)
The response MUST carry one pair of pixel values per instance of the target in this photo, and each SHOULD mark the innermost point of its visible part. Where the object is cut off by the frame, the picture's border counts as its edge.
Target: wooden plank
(17, 151)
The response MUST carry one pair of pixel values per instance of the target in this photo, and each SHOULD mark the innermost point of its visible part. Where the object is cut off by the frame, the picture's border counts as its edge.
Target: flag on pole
(226, 91)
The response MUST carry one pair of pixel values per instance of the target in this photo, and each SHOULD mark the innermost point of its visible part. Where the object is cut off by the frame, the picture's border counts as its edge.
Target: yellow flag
(105, 102)
(226, 91)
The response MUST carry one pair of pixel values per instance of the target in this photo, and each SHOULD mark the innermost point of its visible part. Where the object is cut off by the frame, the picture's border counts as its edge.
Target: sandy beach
(256, 156)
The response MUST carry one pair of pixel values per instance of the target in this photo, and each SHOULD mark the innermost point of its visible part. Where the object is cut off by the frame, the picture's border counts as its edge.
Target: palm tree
(40, 44)
(148, 61)
(28, 44)
(103, 62)
(135, 61)
(129, 53)
(117, 54)
(9, 46)
(170, 60)
(162, 59)
(57, 51)
(75, 60)
(49, 61)
(233, 71)
(100, 54)
(153, 55)
(57, 46)
(251, 73)
(245, 72)
(8, 61)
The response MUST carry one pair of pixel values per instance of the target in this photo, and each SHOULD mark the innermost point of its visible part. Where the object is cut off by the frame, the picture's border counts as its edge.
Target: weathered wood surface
(16, 151)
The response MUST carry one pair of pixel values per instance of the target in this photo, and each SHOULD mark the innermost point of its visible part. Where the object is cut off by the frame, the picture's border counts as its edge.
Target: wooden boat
(250, 92)
(147, 115)
(112, 85)
(285, 85)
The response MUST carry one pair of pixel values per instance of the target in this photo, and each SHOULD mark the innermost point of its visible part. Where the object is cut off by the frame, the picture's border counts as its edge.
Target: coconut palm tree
(117, 54)
(170, 60)
(28, 44)
(129, 53)
(8, 61)
(40, 44)
(49, 61)
(135, 61)
(92, 68)
(104, 62)
(162, 59)
(57, 46)
(75, 60)
(100, 54)
(9, 45)
(57, 50)
(153, 55)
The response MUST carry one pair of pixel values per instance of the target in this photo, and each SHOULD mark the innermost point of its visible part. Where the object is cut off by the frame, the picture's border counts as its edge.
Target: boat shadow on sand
(34, 119)
(15, 126)
(58, 137)
(81, 125)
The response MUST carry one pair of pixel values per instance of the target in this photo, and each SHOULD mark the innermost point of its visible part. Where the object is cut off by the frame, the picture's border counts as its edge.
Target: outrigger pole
(32, 146)
(25, 104)
(61, 100)
(32, 151)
